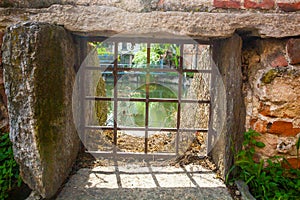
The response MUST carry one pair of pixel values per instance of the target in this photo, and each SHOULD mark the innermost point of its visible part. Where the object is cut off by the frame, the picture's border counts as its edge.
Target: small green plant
(266, 179)
(9, 171)
(168, 53)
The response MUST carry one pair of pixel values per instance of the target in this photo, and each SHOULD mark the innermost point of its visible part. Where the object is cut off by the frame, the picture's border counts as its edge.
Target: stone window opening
(146, 98)
(48, 107)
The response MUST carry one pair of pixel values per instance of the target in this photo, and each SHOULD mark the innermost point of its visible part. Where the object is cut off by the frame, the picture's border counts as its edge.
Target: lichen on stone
(269, 76)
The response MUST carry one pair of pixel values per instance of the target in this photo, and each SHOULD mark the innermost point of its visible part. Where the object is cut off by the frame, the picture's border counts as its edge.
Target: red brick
(227, 3)
(294, 163)
(289, 7)
(280, 61)
(261, 4)
(252, 122)
(293, 51)
(283, 128)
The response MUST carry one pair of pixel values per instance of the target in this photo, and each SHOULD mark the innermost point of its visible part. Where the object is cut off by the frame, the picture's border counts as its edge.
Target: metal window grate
(115, 69)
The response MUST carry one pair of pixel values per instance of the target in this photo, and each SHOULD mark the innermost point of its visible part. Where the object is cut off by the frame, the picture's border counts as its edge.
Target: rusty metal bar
(147, 98)
(127, 128)
(145, 70)
(179, 97)
(115, 68)
(151, 156)
(115, 73)
(95, 98)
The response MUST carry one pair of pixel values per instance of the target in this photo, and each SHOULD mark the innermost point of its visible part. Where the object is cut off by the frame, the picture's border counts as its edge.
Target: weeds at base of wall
(266, 179)
(9, 169)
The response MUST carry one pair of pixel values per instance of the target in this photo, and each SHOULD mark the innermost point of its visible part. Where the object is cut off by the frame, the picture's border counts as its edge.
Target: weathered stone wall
(167, 5)
(4, 125)
(272, 76)
(270, 66)
(227, 58)
(111, 17)
(38, 62)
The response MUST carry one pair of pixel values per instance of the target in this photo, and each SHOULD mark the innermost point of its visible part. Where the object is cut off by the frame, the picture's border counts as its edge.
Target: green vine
(9, 169)
(266, 179)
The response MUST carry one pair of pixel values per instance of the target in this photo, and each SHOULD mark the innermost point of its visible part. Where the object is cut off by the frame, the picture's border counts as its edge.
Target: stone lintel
(108, 21)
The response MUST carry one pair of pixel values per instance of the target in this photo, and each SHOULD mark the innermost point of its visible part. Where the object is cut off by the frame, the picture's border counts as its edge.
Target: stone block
(227, 4)
(28, 3)
(38, 60)
(293, 51)
(3, 99)
(259, 4)
(228, 104)
(289, 6)
(279, 61)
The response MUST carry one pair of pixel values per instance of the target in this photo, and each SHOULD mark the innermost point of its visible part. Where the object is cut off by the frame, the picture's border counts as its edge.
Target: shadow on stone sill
(244, 190)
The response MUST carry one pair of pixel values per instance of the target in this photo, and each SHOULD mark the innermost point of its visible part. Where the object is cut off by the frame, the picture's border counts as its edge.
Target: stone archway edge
(106, 21)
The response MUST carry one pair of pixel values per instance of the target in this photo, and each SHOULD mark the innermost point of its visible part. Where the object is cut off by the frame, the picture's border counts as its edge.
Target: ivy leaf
(260, 144)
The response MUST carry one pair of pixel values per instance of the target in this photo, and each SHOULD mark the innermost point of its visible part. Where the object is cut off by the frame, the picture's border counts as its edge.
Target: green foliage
(101, 48)
(266, 179)
(133, 113)
(9, 170)
(169, 53)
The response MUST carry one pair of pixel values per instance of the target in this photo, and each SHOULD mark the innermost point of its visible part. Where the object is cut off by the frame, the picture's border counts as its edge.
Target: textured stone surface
(264, 4)
(227, 3)
(38, 62)
(166, 5)
(4, 125)
(288, 5)
(273, 97)
(293, 51)
(226, 56)
(136, 182)
(27, 3)
(106, 21)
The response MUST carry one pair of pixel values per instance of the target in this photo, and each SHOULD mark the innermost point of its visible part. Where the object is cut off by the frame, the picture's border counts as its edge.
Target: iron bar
(147, 98)
(123, 69)
(115, 73)
(95, 98)
(179, 98)
(128, 128)
(117, 70)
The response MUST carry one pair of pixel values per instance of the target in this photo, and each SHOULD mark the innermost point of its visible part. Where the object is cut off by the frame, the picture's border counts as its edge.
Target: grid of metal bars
(115, 69)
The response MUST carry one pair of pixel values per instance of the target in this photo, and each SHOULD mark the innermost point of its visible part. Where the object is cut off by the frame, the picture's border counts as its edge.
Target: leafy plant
(297, 149)
(168, 53)
(266, 179)
(9, 171)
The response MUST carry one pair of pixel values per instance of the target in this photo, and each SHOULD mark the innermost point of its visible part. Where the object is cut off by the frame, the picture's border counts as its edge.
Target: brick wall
(272, 83)
(166, 5)
(283, 5)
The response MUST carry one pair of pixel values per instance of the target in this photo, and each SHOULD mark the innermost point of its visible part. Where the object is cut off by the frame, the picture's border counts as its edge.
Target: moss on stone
(269, 76)
(49, 96)
(101, 106)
